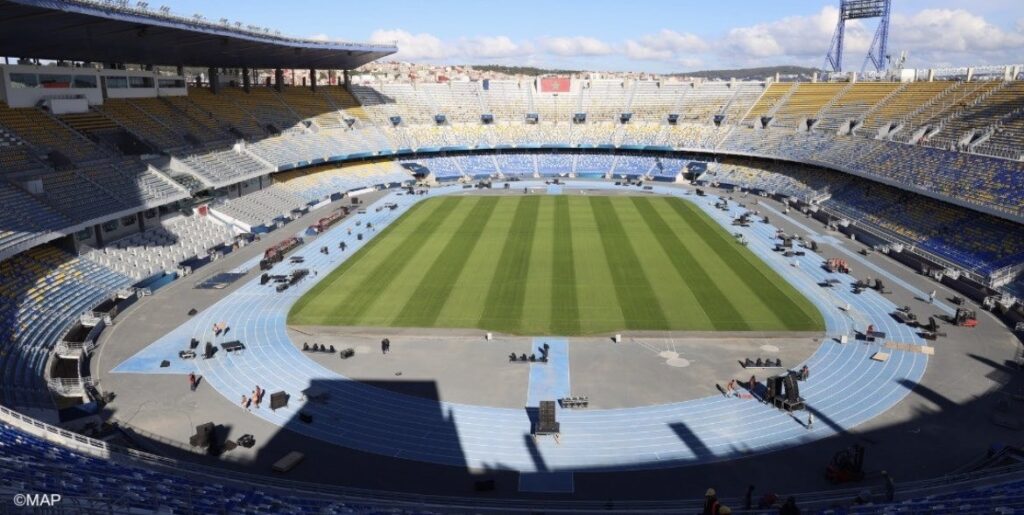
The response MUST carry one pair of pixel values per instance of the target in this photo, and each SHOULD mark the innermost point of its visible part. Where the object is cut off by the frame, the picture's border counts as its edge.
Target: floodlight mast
(857, 10)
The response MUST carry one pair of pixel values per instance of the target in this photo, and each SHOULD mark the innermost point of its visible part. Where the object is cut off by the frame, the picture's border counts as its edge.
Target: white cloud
(665, 45)
(933, 37)
(794, 38)
(497, 47)
(575, 46)
(413, 47)
(944, 34)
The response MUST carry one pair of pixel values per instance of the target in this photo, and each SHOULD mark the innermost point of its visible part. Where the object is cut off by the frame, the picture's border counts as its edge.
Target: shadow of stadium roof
(54, 29)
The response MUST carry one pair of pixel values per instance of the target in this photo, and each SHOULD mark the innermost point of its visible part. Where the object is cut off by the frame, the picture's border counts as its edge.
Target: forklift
(966, 317)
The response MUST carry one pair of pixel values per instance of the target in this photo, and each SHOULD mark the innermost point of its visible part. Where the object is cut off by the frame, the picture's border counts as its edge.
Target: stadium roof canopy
(116, 32)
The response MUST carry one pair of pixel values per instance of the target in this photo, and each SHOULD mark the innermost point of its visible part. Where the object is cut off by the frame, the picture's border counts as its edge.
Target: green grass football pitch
(557, 265)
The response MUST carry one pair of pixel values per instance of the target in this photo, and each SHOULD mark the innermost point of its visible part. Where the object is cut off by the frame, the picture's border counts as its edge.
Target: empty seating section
(979, 243)
(551, 165)
(653, 101)
(590, 134)
(342, 100)
(262, 207)
(517, 165)
(106, 485)
(1001, 101)
(691, 135)
(801, 182)
(23, 217)
(458, 101)
(443, 168)
(508, 101)
(181, 117)
(141, 123)
(746, 96)
(196, 107)
(375, 104)
(219, 167)
(767, 101)
(161, 249)
(479, 166)
(15, 156)
(47, 134)
(77, 197)
(319, 183)
(592, 165)
(668, 169)
(131, 182)
(644, 135)
(310, 105)
(89, 122)
(416, 109)
(429, 136)
(225, 111)
(853, 103)
(266, 106)
(805, 102)
(474, 135)
(291, 149)
(947, 104)
(629, 166)
(604, 100)
(556, 108)
(909, 98)
(44, 290)
(705, 100)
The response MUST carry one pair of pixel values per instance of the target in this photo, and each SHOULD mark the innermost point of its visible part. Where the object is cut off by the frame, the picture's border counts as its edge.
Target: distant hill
(520, 70)
(752, 73)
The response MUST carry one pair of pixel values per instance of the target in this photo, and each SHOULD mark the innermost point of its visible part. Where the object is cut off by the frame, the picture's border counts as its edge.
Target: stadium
(235, 277)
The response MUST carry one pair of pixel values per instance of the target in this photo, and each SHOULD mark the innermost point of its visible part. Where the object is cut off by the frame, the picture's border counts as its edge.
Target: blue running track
(846, 388)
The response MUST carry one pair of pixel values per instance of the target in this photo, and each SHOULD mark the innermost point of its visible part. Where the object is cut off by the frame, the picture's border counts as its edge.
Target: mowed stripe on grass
(565, 311)
(773, 292)
(639, 305)
(503, 308)
(348, 305)
(424, 306)
(563, 265)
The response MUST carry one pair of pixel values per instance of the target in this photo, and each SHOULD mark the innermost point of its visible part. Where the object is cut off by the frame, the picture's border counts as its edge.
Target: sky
(658, 36)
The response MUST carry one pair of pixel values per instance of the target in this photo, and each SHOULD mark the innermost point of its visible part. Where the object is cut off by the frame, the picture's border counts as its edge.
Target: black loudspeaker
(792, 390)
(484, 485)
(774, 389)
(546, 423)
(278, 400)
(305, 417)
(209, 350)
(203, 436)
(192, 312)
(165, 364)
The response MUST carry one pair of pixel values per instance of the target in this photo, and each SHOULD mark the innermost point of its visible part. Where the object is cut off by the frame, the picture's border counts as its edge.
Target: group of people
(732, 388)
(221, 328)
(712, 506)
(256, 398)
